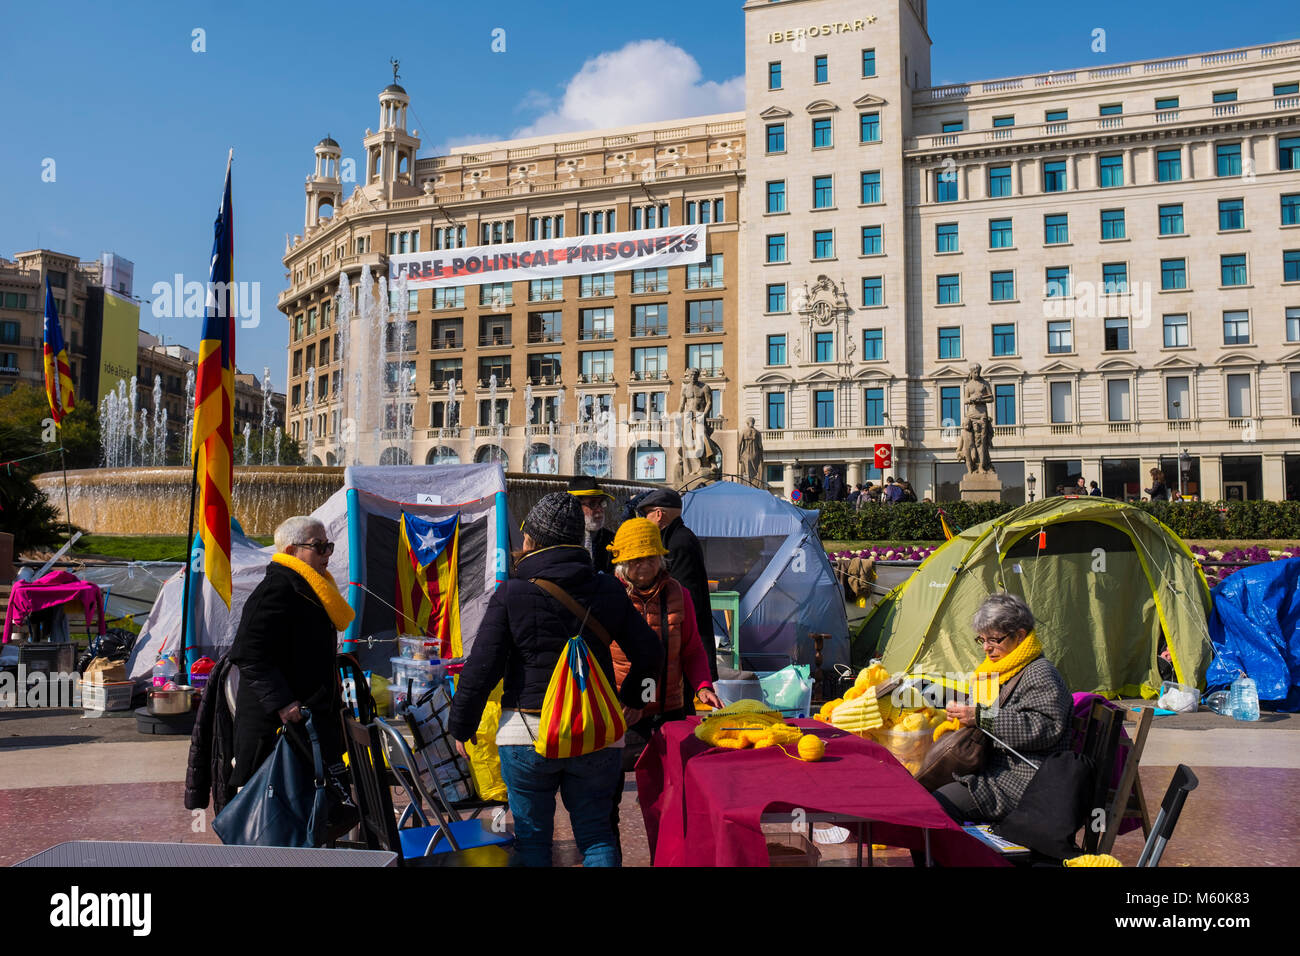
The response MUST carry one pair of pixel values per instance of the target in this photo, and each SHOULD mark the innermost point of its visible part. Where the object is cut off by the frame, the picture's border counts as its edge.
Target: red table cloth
(703, 805)
(57, 587)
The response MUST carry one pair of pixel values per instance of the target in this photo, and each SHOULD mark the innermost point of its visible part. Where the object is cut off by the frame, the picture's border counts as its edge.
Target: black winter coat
(601, 559)
(834, 487)
(685, 562)
(212, 745)
(285, 650)
(524, 631)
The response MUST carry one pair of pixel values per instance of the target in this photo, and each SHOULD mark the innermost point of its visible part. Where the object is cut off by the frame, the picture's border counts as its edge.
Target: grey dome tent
(768, 551)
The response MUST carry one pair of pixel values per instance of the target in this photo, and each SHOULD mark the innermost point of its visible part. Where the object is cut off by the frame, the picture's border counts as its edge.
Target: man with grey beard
(595, 535)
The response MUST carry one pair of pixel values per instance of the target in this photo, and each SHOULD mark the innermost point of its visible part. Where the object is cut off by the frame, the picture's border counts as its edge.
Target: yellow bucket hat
(636, 538)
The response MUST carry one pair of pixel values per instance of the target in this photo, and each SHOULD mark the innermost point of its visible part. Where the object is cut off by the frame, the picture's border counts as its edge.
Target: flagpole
(182, 668)
(67, 508)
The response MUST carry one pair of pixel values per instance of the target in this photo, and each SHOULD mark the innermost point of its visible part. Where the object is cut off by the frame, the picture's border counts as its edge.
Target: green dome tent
(1103, 579)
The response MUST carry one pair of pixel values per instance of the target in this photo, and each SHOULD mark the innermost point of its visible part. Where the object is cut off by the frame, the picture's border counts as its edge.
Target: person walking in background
(524, 631)
(833, 484)
(685, 562)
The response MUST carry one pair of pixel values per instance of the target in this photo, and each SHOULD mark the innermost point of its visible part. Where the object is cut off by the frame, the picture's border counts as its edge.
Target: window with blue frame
(776, 248)
(1293, 329)
(999, 181)
(1291, 265)
(954, 126)
(823, 192)
(774, 75)
(1175, 329)
(1288, 152)
(1169, 165)
(1232, 214)
(871, 187)
(1000, 234)
(1058, 282)
(950, 343)
(945, 237)
(823, 244)
(1056, 229)
(1232, 270)
(1173, 273)
(1114, 278)
(869, 128)
(1291, 209)
(776, 350)
(1004, 339)
(776, 137)
(776, 297)
(1054, 176)
(824, 347)
(873, 407)
(1056, 116)
(776, 409)
(820, 68)
(776, 195)
(873, 345)
(950, 405)
(1171, 219)
(869, 62)
(1002, 286)
(1167, 103)
(1004, 397)
(1227, 159)
(1286, 89)
(824, 402)
(999, 122)
(1112, 223)
(949, 289)
(1110, 171)
(1236, 328)
(871, 242)
(821, 132)
(945, 186)
(1060, 337)
(1111, 109)
(1225, 96)
(873, 291)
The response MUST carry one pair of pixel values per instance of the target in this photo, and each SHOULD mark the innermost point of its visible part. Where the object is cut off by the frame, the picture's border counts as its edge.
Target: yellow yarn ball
(811, 748)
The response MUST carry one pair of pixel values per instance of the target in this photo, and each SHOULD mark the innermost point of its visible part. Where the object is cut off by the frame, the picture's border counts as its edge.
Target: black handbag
(285, 803)
(1053, 807)
(959, 752)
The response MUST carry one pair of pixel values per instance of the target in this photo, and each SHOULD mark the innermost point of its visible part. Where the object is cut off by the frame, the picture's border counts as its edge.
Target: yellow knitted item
(990, 674)
(1094, 859)
(636, 538)
(340, 612)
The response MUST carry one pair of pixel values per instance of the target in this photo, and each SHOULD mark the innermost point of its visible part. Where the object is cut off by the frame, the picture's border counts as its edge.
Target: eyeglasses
(986, 641)
(320, 547)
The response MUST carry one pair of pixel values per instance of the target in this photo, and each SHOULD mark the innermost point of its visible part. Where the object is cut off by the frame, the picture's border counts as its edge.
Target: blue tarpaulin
(768, 550)
(1255, 627)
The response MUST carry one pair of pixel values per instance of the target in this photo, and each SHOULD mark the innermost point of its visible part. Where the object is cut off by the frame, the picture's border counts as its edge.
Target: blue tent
(1255, 627)
(768, 551)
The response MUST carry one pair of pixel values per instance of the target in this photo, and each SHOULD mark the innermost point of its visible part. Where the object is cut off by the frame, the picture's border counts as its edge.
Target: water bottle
(1245, 698)
(164, 671)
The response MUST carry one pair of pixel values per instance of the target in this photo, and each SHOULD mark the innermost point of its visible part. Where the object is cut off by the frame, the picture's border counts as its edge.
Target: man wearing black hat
(685, 562)
(595, 535)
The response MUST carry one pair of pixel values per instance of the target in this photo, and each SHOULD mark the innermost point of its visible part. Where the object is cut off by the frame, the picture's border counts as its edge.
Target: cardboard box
(103, 671)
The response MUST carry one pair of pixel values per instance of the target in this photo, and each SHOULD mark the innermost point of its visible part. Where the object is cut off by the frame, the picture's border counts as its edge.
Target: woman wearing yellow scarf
(1034, 718)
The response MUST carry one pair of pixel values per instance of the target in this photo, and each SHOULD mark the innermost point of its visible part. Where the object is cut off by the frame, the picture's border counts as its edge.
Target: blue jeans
(587, 785)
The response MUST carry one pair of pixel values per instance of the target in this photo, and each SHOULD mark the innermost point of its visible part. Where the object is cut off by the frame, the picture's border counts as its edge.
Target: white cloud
(645, 81)
(469, 139)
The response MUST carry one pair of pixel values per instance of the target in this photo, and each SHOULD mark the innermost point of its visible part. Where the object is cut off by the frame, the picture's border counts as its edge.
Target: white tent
(361, 519)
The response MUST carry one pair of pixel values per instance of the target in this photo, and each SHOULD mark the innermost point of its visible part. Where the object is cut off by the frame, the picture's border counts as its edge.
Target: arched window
(489, 453)
(542, 460)
(649, 462)
(593, 459)
(442, 455)
(395, 456)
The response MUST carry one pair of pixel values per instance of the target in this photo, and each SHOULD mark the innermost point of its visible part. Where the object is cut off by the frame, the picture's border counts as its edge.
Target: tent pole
(182, 667)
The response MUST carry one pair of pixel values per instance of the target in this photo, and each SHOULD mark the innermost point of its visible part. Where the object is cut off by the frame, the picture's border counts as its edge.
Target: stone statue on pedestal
(975, 446)
(750, 452)
(696, 408)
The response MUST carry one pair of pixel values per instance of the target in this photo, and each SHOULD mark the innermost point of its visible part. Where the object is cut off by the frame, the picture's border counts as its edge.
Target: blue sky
(138, 123)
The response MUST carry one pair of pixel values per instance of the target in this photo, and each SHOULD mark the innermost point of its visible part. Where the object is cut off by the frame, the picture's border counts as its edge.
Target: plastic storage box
(115, 695)
(418, 648)
(730, 691)
(908, 746)
(406, 668)
(1182, 698)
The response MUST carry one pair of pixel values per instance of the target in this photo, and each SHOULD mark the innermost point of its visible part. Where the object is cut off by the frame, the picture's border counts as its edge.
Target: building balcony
(595, 335)
(704, 328)
(651, 375)
(593, 378)
(493, 341)
(648, 332)
(713, 373)
(443, 344)
(451, 431)
(536, 338)
(486, 383)
(779, 436)
(545, 380)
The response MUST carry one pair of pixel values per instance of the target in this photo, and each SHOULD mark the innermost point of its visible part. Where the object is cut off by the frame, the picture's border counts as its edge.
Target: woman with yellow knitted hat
(1033, 716)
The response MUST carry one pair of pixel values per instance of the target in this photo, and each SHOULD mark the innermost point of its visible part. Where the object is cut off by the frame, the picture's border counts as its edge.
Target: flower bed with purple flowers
(1234, 559)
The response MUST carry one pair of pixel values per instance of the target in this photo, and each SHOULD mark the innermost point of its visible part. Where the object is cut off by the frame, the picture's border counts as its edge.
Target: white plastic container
(1181, 698)
(405, 668)
(418, 648)
(730, 691)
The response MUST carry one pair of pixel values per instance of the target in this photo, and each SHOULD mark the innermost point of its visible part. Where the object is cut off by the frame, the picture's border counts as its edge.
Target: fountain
(310, 401)
(159, 419)
(266, 408)
(277, 446)
(189, 418)
(248, 440)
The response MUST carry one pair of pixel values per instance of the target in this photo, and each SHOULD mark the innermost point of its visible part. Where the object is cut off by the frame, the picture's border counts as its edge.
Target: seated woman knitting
(1034, 717)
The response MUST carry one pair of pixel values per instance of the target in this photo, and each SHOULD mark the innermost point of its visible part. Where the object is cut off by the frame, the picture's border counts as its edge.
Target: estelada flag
(214, 402)
(58, 371)
(428, 602)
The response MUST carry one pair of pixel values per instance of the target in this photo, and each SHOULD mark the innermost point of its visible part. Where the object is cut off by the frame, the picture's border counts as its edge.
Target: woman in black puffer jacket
(522, 635)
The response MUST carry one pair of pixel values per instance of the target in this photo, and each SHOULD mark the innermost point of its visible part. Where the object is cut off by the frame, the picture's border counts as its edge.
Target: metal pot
(178, 701)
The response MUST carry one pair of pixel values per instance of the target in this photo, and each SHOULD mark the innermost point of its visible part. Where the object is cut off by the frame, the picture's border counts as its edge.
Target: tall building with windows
(1118, 247)
(566, 353)
(73, 284)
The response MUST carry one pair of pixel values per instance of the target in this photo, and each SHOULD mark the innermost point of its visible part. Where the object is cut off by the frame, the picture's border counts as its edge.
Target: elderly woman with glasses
(285, 650)
(1020, 699)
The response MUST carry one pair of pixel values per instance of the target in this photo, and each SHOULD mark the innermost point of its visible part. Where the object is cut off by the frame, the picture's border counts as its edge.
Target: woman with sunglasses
(1034, 716)
(285, 650)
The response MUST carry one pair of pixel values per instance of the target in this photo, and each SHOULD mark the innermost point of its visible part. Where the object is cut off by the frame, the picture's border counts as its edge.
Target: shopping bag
(284, 803)
(484, 758)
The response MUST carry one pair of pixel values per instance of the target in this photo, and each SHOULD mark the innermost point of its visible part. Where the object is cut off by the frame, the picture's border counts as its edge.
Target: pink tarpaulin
(57, 587)
(703, 805)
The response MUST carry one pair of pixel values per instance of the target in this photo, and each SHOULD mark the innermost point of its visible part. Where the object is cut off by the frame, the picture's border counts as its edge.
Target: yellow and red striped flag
(214, 402)
(58, 371)
(428, 602)
(943, 523)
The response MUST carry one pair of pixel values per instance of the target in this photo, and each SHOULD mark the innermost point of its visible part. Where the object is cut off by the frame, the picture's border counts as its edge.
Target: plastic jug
(164, 671)
(1244, 698)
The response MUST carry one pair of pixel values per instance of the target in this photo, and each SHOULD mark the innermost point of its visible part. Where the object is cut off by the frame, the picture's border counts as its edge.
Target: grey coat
(1035, 720)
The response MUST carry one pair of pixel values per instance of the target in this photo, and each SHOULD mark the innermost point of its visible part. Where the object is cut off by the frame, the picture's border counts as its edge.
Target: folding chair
(1171, 807)
(1101, 743)
(1127, 800)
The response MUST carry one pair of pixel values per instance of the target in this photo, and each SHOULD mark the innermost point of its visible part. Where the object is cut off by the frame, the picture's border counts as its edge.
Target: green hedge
(919, 521)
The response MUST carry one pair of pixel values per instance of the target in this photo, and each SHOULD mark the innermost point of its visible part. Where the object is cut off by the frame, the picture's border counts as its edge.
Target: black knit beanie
(556, 519)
